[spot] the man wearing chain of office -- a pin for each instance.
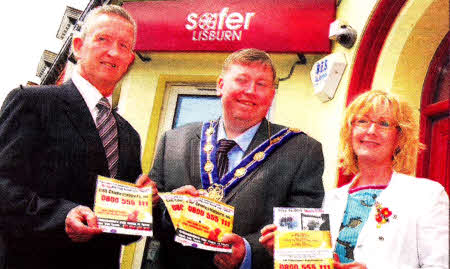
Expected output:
(243, 160)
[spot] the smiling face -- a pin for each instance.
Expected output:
(105, 52)
(375, 137)
(247, 92)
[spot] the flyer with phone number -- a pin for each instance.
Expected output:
(123, 208)
(302, 239)
(199, 222)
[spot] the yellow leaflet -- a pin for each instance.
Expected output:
(307, 264)
(120, 200)
(207, 218)
(175, 204)
(123, 208)
(302, 239)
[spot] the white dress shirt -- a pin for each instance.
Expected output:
(89, 93)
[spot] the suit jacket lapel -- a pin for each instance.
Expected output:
(195, 176)
(339, 198)
(124, 138)
(79, 115)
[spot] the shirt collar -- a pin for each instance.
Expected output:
(243, 141)
(89, 93)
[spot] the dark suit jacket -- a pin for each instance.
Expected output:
(50, 155)
(290, 177)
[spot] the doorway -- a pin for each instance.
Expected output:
(434, 161)
(183, 103)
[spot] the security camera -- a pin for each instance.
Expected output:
(343, 34)
(347, 36)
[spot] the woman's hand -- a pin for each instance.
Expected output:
(267, 237)
(352, 265)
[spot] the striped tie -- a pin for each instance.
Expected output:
(222, 156)
(107, 129)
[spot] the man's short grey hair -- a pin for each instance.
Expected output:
(106, 9)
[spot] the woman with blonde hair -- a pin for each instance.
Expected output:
(385, 217)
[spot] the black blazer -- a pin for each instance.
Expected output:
(290, 177)
(50, 155)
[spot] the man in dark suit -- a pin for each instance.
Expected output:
(287, 170)
(51, 152)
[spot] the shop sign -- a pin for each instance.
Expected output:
(274, 26)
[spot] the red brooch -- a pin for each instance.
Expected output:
(383, 214)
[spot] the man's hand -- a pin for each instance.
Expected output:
(234, 259)
(145, 181)
(187, 189)
(81, 224)
(267, 237)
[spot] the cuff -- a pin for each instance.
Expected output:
(247, 262)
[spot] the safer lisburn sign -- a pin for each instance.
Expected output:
(219, 25)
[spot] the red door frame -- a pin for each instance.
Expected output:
(369, 52)
(427, 108)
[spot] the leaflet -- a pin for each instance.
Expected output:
(199, 222)
(123, 208)
(302, 239)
